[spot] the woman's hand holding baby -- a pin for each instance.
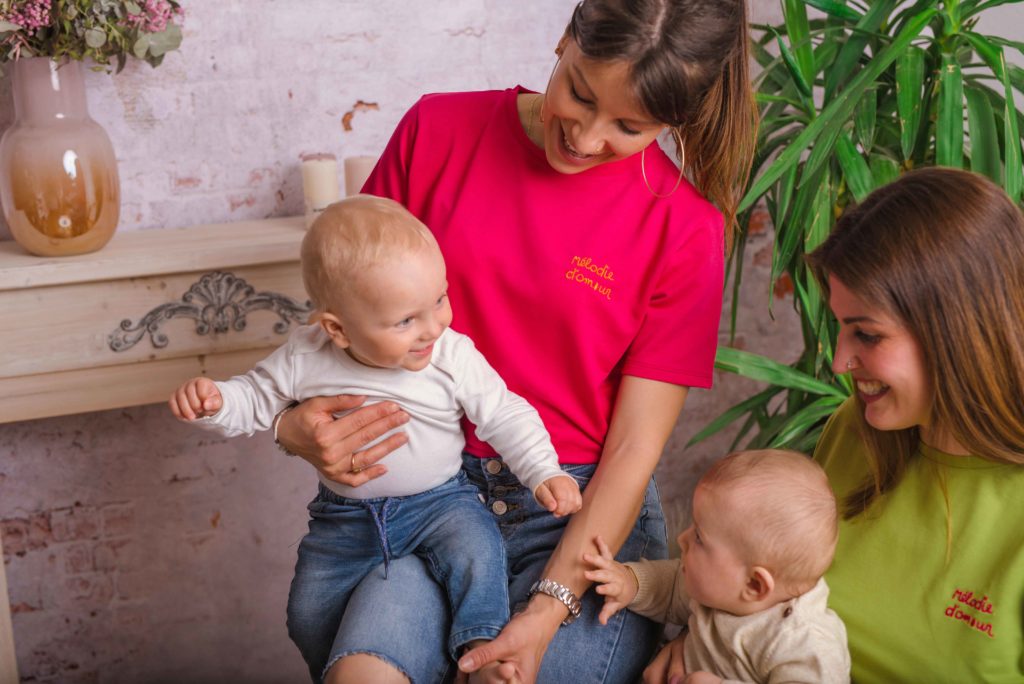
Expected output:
(332, 445)
(615, 581)
(197, 398)
(560, 495)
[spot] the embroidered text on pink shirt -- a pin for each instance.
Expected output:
(580, 272)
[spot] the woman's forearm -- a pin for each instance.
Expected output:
(645, 413)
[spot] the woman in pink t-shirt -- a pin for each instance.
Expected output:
(589, 272)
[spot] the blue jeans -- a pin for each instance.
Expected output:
(348, 539)
(405, 620)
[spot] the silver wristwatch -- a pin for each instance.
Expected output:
(563, 594)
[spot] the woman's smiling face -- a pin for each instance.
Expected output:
(591, 115)
(884, 360)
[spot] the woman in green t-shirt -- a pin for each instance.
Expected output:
(926, 279)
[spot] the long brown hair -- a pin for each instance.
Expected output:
(689, 66)
(942, 252)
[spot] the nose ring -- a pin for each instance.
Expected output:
(849, 364)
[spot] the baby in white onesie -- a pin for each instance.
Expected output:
(377, 278)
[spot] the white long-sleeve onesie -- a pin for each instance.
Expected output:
(457, 381)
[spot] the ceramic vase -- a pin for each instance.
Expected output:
(58, 174)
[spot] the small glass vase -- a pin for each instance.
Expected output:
(58, 174)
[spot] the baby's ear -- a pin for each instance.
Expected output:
(760, 584)
(334, 329)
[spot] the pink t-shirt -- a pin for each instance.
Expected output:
(564, 282)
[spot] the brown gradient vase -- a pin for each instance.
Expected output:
(58, 174)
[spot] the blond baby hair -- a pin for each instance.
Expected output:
(789, 512)
(350, 238)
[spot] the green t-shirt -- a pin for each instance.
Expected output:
(911, 616)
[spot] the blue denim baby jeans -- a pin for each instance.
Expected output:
(349, 538)
(405, 620)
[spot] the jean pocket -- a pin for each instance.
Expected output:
(321, 508)
(581, 472)
(651, 525)
(317, 506)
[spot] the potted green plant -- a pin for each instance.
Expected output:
(849, 101)
(59, 184)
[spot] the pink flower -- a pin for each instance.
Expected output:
(31, 15)
(154, 18)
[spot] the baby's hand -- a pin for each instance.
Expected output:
(560, 495)
(615, 581)
(197, 398)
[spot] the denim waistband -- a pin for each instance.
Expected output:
(379, 508)
(326, 494)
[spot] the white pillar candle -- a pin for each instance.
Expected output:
(319, 183)
(357, 170)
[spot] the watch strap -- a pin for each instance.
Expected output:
(562, 593)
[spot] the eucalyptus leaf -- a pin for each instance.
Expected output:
(95, 38)
(165, 41)
(141, 46)
(105, 32)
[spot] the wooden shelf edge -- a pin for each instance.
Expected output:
(29, 397)
(141, 253)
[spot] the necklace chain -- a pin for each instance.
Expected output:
(534, 109)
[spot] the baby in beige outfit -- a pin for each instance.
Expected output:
(749, 584)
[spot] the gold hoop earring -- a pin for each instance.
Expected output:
(682, 166)
(544, 96)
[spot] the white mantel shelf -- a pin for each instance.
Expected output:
(62, 349)
(156, 252)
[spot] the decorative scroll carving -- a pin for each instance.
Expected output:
(218, 302)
